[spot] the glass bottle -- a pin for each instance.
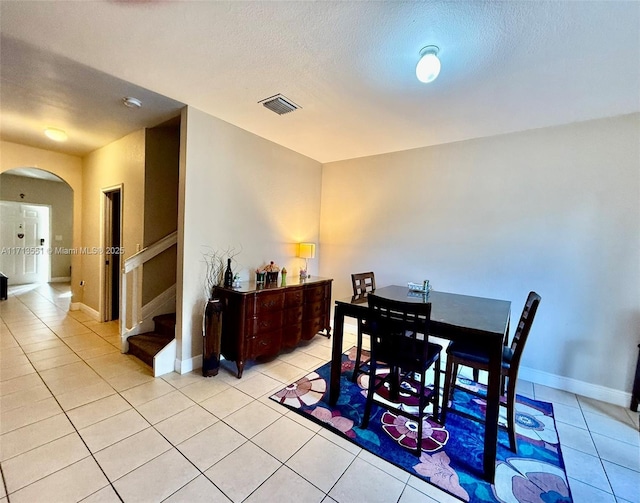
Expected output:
(228, 275)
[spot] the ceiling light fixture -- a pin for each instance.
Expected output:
(132, 102)
(55, 134)
(428, 68)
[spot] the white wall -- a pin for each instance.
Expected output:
(237, 190)
(556, 210)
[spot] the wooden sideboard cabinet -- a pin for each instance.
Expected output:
(261, 320)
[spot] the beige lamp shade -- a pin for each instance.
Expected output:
(306, 250)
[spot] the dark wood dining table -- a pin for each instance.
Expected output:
(455, 317)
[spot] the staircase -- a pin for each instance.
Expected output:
(146, 346)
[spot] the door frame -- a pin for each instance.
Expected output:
(106, 270)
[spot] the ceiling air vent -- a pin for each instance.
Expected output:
(279, 104)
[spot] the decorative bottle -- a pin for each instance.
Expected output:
(228, 275)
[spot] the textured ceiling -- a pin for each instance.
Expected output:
(506, 66)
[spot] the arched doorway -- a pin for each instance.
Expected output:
(36, 226)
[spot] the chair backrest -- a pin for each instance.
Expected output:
(363, 283)
(399, 332)
(523, 329)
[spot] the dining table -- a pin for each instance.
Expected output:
(455, 317)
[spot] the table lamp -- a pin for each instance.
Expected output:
(306, 251)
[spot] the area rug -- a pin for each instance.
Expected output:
(451, 456)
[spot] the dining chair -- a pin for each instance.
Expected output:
(477, 358)
(399, 333)
(363, 284)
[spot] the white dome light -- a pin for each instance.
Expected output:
(55, 134)
(428, 68)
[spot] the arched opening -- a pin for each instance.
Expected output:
(36, 226)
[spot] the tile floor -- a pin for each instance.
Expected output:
(82, 422)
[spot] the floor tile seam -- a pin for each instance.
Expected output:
(279, 468)
(569, 479)
(383, 470)
(154, 426)
(591, 432)
(27, 404)
(42, 477)
(609, 437)
(621, 466)
(39, 377)
(4, 483)
(239, 432)
(91, 454)
(151, 400)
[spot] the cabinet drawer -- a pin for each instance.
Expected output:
(294, 297)
(264, 323)
(292, 315)
(266, 302)
(291, 335)
(265, 344)
(314, 310)
(314, 294)
(312, 327)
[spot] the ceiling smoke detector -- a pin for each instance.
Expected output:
(131, 102)
(279, 104)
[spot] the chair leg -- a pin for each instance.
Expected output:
(370, 391)
(356, 369)
(511, 415)
(449, 379)
(422, 405)
(436, 391)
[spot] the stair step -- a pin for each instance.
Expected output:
(146, 346)
(165, 324)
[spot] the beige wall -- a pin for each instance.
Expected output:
(57, 195)
(242, 191)
(162, 158)
(120, 162)
(67, 167)
(554, 210)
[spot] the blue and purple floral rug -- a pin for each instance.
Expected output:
(451, 456)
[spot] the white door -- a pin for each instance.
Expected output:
(24, 242)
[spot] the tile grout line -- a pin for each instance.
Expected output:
(74, 428)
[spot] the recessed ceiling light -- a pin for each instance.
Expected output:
(130, 102)
(55, 134)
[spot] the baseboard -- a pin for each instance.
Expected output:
(61, 279)
(589, 390)
(185, 366)
(75, 306)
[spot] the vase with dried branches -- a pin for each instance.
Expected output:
(212, 314)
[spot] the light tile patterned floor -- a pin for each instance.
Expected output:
(82, 422)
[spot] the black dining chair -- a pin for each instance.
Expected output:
(478, 359)
(399, 333)
(363, 284)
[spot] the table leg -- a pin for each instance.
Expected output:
(336, 355)
(493, 406)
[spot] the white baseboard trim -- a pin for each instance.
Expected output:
(75, 306)
(61, 279)
(589, 390)
(185, 366)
